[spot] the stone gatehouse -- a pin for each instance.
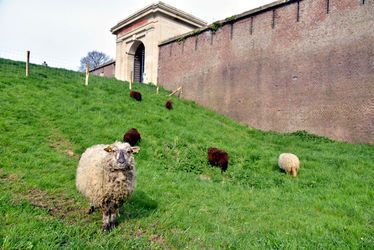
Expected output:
(138, 37)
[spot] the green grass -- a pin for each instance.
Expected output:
(180, 201)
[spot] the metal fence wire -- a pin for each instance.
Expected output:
(25, 65)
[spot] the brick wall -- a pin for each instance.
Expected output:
(297, 65)
(107, 70)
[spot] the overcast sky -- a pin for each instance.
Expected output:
(60, 32)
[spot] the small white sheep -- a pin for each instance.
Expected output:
(289, 163)
(106, 177)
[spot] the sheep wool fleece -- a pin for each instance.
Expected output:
(101, 184)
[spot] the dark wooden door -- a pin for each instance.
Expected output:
(139, 63)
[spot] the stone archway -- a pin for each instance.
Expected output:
(139, 64)
(136, 61)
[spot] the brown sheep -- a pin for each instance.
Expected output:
(218, 157)
(169, 104)
(132, 136)
(136, 95)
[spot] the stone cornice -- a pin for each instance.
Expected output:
(162, 8)
(141, 29)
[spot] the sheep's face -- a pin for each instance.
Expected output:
(121, 154)
(293, 172)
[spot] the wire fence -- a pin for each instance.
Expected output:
(29, 65)
(39, 59)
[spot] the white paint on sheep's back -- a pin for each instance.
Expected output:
(286, 161)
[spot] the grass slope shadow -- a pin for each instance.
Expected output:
(140, 205)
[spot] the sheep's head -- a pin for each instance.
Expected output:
(121, 155)
(293, 171)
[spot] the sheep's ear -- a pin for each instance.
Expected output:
(135, 149)
(108, 149)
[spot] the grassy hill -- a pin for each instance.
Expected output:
(50, 118)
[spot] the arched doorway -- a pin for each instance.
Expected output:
(139, 63)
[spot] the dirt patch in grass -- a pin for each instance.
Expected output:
(157, 239)
(57, 205)
(13, 177)
(5, 177)
(138, 233)
(59, 143)
(205, 177)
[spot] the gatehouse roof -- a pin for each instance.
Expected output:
(163, 8)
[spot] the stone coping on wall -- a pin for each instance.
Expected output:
(232, 19)
(104, 65)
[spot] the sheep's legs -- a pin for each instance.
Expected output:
(113, 218)
(91, 209)
(110, 218)
(106, 220)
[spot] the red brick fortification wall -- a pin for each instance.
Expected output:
(306, 65)
(106, 70)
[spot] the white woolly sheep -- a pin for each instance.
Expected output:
(289, 163)
(106, 177)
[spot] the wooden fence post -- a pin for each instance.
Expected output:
(87, 73)
(27, 63)
(157, 89)
(130, 85)
(175, 91)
